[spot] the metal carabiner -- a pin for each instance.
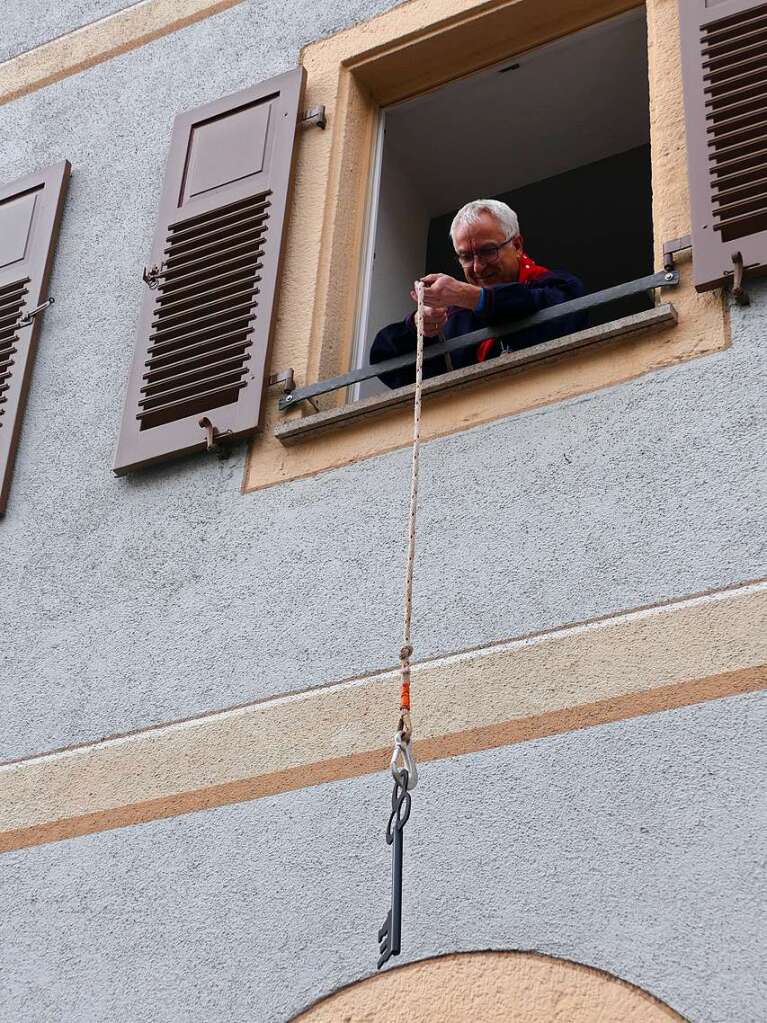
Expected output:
(402, 758)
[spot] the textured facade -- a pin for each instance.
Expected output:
(629, 841)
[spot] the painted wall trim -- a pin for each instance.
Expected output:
(99, 41)
(703, 648)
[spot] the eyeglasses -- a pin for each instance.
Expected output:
(485, 253)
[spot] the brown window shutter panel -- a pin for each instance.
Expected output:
(724, 66)
(204, 327)
(30, 214)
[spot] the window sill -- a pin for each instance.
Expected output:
(294, 430)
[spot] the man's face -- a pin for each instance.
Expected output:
(483, 272)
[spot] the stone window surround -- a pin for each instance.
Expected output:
(411, 49)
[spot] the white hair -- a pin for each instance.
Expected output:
(471, 212)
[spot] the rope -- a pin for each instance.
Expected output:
(405, 724)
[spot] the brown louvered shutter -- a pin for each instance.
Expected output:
(30, 214)
(724, 63)
(204, 327)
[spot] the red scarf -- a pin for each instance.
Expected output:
(528, 271)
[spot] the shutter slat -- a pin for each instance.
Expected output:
(191, 388)
(722, 182)
(756, 215)
(214, 328)
(743, 30)
(30, 213)
(181, 328)
(158, 414)
(751, 185)
(743, 42)
(745, 147)
(204, 331)
(736, 133)
(201, 346)
(172, 274)
(229, 210)
(752, 203)
(227, 240)
(218, 230)
(721, 194)
(723, 86)
(198, 368)
(10, 292)
(206, 285)
(171, 366)
(188, 282)
(724, 70)
(737, 23)
(235, 215)
(724, 75)
(752, 102)
(724, 95)
(721, 119)
(190, 310)
(205, 294)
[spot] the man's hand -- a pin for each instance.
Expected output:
(442, 290)
(434, 319)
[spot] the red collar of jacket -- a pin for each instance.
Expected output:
(528, 271)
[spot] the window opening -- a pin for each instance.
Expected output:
(560, 133)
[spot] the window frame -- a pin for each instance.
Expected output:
(398, 55)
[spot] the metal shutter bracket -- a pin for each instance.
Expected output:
(314, 117)
(671, 248)
(739, 293)
(26, 320)
(214, 438)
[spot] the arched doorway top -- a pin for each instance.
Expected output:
(491, 987)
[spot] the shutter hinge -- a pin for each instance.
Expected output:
(674, 246)
(28, 318)
(214, 438)
(151, 277)
(314, 116)
(287, 377)
(739, 293)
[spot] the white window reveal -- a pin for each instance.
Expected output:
(560, 133)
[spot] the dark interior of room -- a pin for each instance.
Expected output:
(595, 221)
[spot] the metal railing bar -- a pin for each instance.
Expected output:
(662, 279)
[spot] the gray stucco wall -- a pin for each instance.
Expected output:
(28, 23)
(151, 598)
(638, 848)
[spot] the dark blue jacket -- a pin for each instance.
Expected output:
(499, 304)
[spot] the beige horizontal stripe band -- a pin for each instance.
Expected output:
(536, 727)
(92, 44)
(642, 662)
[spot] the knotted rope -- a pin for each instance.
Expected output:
(405, 724)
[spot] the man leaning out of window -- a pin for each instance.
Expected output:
(502, 284)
